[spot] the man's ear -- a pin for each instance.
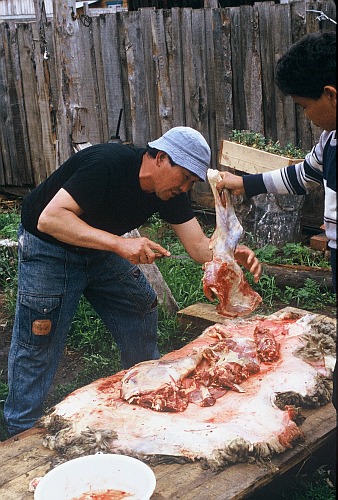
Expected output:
(330, 91)
(161, 155)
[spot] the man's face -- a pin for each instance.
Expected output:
(173, 180)
(322, 111)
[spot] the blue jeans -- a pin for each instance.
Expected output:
(51, 282)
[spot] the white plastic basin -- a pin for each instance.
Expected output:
(97, 473)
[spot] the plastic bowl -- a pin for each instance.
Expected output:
(97, 473)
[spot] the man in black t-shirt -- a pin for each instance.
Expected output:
(71, 244)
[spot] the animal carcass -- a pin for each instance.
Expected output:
(223, 277)
(228, 396)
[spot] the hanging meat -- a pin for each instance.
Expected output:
(223, 277)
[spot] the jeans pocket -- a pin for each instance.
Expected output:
(38, 317)
(140, 291)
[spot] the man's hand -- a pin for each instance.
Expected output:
(247, 258)
(232, 182)
(140, 250)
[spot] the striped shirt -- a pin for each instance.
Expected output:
(318, 168)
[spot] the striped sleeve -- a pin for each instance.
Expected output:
(302, 177)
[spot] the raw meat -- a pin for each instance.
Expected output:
(201, 377)
(239, 426)
(223, 277)
(267, 347)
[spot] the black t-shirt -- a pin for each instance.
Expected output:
(104, 181)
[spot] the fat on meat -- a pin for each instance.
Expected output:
(240, 426)
(201, 377)
(223, 277)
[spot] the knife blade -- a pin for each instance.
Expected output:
(182, 256)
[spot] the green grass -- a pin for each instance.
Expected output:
(292, 254)
(9, 222)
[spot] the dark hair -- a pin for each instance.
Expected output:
(153, 152)
(308, 66)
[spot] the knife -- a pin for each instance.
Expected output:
(182, 256)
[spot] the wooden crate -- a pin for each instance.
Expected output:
(251, 160)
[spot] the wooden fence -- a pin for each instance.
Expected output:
(65, 81)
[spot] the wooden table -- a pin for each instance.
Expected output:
(23, 457)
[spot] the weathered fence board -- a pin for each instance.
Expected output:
(267, 34)
(175, 62)
(285, 109)
(112, 73)
(212, 69)
(32, 110)
(160, 76)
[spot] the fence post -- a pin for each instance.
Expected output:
(72, 115)
(44, 98)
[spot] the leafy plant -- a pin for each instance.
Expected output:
(9, 223)
(292, 254)
(310, 294)
(88, 333)
(267, 289)
(258, 141)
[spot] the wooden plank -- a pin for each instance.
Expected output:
(189, 79)
(174, 481)
(81, 93)
(188, 479)
(162, 90)
(210, 77)
(306, 130)
(151, 24)
(222, 91)
(42, 64)
(96, 69)
(286, 129)
(21, 161)
(199, 316)
(5, 136)
(201, 67)
(267, 29)
(241, 480)
(239, 111)
(68, 56)
(295, 276)
(136, 79)
(9, 107)
(113, 75)
(247, 91)
(201, 190)
(330, 9)
(252, 69)
(122, 26)
(250, 160)
(175, 62)
(29, 85)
